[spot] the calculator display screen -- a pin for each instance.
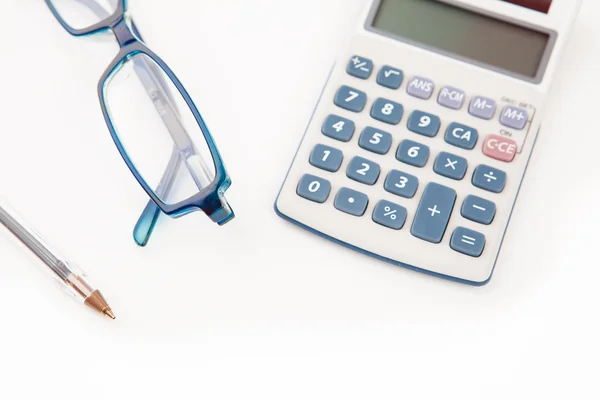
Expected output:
(463, 33)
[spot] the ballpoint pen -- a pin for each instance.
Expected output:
(69, 276)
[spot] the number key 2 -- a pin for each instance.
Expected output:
(363, 171)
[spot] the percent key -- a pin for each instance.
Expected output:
(390, 215)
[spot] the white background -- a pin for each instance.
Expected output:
(260, 308)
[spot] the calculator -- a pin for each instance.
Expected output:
(421, 138)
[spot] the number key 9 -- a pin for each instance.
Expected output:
(424, 123)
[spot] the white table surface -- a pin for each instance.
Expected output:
(260, 308)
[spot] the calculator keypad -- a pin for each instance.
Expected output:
(482, 107)
(438, 201)
(360, 67)
(490, 179)
(434, 213)
(363, 171)
(478, 210)
(514, 117)
(314, 188)
(387, 111)
(462, 136)
(420, 87)
(451, 97)
(467, 241)
(326, 158)
(424, 123)
(390, 215)
(390, 77)
(401, 184)
(338, 128)
(450, 166)
(413, 153)
(350, 99)
(375, 140)
(351, 202)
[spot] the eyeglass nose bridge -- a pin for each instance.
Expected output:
(121, 27)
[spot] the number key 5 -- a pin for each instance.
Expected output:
(375, 140)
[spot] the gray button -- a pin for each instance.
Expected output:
(350, 99)
(360, 67)
(451, 97)
(490, 179)
(375, 140)
(467, 242)
(363, 171)
(389, 215)
(314, 188)
(413, 153)
(326, 158)
(351, 202)
(482, 107)
(420, 87)
(387, 111)
(478, 210)
(339, 128)
(450, 166)
(462, 136)
(514, 117)
(434, 213)
(390, 77)
(424, 123)
(401, 184)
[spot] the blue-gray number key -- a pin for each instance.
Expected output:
(338, 128)
(490, 179)
(375, 140)
(424, 123)
(389, 215)
(363, 171)
(326, 158)
(413, 153)
(434, 213)
(350, 99)
(450, 166)
(387, 111)
(351, 202)
(313, 188)
(401, 184)
(467, 242)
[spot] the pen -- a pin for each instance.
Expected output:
(69, 276)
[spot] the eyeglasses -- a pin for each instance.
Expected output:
(152, 120)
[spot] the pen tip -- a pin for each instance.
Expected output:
(108, 312)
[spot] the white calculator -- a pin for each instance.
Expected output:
(419, 144)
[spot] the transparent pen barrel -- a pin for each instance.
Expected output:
(69, 277)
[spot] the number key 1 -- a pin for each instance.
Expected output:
(326, 158)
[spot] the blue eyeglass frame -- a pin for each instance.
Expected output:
(210, 199)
